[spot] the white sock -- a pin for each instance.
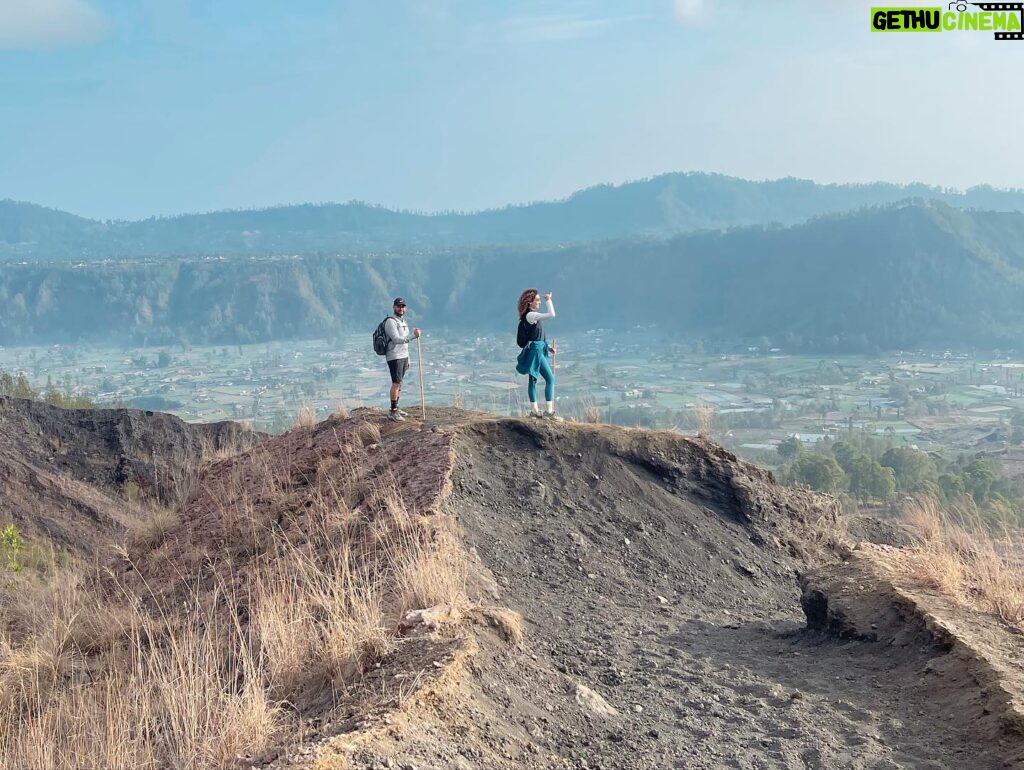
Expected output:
(533, 405)
(551, 407)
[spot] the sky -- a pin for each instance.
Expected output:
(125, 109)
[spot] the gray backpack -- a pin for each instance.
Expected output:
(380, 338)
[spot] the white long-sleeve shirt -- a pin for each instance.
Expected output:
(399, 338)
(533, 316)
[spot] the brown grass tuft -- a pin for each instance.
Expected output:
(150, 532)
(958, 557)
(244, 440)
(305, 417)
(368, 433)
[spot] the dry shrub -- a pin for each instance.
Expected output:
(587, 411)
(319, 624)
(390, 513)
(270, 474)
(28, 678)
(459, 399)
(226, 447)
(999, 582)
(149, 532)
(368, 433)
(305, 417)
(191, 698)
(960, 558)
(430, 570)
(927, 517)
(703, 415)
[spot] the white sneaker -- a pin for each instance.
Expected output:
(396, 416)
(552, 416)
(536, 415)
(403, 413)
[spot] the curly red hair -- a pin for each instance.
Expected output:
(526, 299)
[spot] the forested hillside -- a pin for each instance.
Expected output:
(885, 278)
(661, 207)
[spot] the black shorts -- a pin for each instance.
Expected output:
(398, 369)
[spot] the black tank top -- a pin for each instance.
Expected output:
(529, 332)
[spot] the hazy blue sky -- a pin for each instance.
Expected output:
(127, 108)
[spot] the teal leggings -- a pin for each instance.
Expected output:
(549, 381)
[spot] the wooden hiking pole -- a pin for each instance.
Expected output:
(423, 401)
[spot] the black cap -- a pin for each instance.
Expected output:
(398, 301)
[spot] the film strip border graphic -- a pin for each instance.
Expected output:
(1004, 7)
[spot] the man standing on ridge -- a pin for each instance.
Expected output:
(399, 337)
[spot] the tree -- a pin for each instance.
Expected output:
(911, 467)
(978, 478)
(900, 393)
(952, 487)
(870, 481)
(818, 472)
(845, 454)
(789, 448)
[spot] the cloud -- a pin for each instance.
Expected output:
(692, 12)
(554, 28)
(48, 23)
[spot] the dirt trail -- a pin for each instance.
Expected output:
(682, 612)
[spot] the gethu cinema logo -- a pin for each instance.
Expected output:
(1002, 18)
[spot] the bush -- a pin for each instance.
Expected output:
(11, 547)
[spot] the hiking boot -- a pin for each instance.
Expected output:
(553, 417)
(402, 412)
(396, 416)
(536, 415)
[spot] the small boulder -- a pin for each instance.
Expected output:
(593, 702)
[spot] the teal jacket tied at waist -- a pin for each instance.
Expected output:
(530, 358)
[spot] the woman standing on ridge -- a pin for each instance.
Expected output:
(533, 359)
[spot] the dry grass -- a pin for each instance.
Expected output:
(317, 627)
(305, 417)
(459, 399)
(960, 558)
(245, 440)
(181, 477)
(340, 411)
(432, 568)
(94, 674)
(588, 411)
(91, 681)
(584, 409)
(150, 531)
(184, 699)
(703, 415)
(368, 433)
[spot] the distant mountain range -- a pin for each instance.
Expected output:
(661, 207)
(905, 275)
